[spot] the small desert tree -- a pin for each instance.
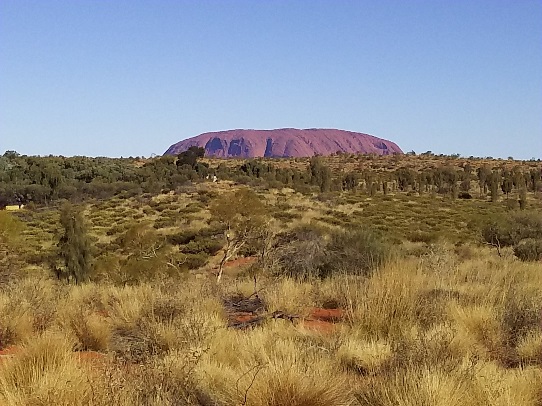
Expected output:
(320, 174)
(74, 245)
(522, 196)
(242, 215)
(10, 245)
(521, 230)
(507, 183)
(494, 182)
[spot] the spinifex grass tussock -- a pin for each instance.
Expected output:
(365, 357)
(28, 306)
(83, 314)
(44, 373)
(259, 368)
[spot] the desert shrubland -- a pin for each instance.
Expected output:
(369, 296)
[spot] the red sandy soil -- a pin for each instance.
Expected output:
(242, 317)
(9, 351)
(240, 262)
(323, 321)
(91, 357)
(320, 320)
(329, 315)
(319, 326)
(285, 142)
(235, 266)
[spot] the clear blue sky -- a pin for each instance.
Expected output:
(121, 78)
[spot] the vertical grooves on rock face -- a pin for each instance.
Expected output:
(268, 148)
(213, 146)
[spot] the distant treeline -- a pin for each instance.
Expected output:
(42, 180)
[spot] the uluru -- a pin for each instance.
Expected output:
(285, 142)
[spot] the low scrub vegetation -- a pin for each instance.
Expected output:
(522, 231)
(332, 281)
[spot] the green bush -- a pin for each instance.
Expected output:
(191, 208)
(355, 251)
(315, 251)
(510, 230)
(423, 236)
(286, 216)
(300, 252)
(529, 249)
(205, 196)
(209, 246)
(195, 261)
(186, 236)
(164, 222)
(182, 237)
(521, 230)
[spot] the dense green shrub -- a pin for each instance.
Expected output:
(300, 252)
(510, 230)
(191, 208)
(74, 246)
(205, 196)
(529, 249)
(194, 261)
(186, 236)
(355, 251)
(423, 236)
(315, 251)
(182, 237)
(209, 246)
(522, 230)
(286, 216)
(165, 221)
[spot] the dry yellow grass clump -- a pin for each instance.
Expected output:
(434, 330)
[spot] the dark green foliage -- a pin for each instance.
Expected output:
(522, 230)
(523, 197)
(529, 249)
(182, 237)
(494, 182)
(405, 178)
(507, 183)
(43, 180)
(286, 216)
(300, 252)
(74, 245)
(190, 157)
(355, 251)
(204, 242)
(209, 246)
(423, 236)
(314, 251)
(500, 232)
(204, 196)
(194, 261)
(320, 174)
(11, 229)
(350, 181)
(165, 221)
(186, 236)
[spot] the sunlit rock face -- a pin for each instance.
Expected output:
(285, 142)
